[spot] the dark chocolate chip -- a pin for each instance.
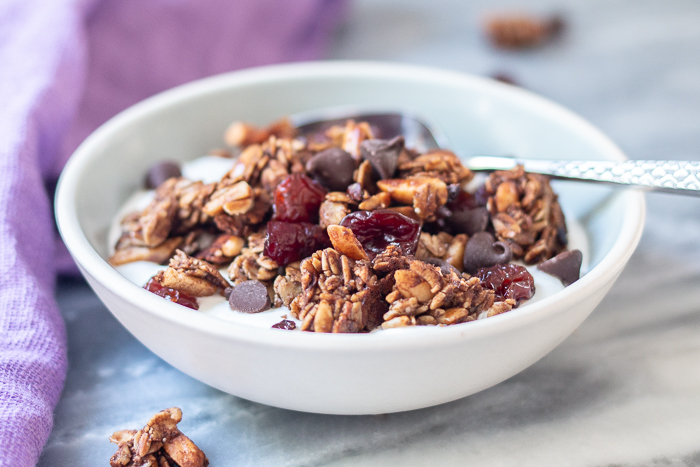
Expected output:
(332, 168)
(285, 324)
(382, 154)
(160, 172)
(483, 251)
(445, 267)
(565, 266)
(249, 297)
(469, 221)
(227, 292)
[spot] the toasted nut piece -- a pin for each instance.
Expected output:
(234, 199)
(379, 201)
(331, 213)
(401, 190)
(506, 194)
(406, 211)
(425, 194)
(399, 322)
(345, 242)
(158, 254)
(454, 315)
(243, 134)
(233, 246)
(411, 284)
(339, 197)
(429, 197)
(455, 252)
(365, 177)
(323, 320)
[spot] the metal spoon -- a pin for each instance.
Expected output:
(678, 177)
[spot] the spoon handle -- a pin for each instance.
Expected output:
(679, 177)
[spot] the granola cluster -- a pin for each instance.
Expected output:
(159, 444)
(350, 231)
(525, 213)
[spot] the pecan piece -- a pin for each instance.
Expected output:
(232, 199)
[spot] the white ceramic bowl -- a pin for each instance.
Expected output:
(344, 374)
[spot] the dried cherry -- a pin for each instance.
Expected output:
(285, 324)
(376, 230)
(172, 295)
(298, 199)
(286, 242)
(508, 281)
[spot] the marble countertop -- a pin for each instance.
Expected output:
(623, 390)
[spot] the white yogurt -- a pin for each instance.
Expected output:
(211, 169)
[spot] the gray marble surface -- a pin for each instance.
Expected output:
(623, 390)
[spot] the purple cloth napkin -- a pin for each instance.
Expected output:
(66, 66)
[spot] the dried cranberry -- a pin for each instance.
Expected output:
(297, 199)
(376, 230)
(173, 295)
(287, 242)
(285, 324)
(508, 281)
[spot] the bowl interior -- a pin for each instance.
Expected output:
(478, 116)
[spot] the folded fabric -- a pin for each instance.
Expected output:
(67, 66)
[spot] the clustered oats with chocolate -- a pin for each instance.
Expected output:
(351, 232)
(159, 444)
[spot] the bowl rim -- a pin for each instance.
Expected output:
(94, 265)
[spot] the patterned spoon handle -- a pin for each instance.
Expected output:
(679, 177)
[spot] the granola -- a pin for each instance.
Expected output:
(159, 444)
(350, 232)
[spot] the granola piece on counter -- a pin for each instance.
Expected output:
(339, 294)
(526, 214)
(159, 444)
(520, 31)
(192, 276)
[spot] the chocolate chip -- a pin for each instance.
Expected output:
(382, 154)
(445, 267)
(565, 266)
(483, 251)
(160, 172)
(332, 168)
(285, 324)
(227, 292)
(469, 221)
(249, 297)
